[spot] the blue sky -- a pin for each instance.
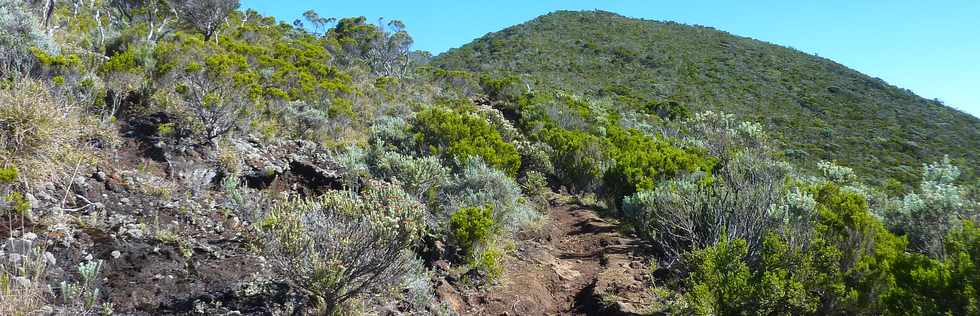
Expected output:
(930, 47)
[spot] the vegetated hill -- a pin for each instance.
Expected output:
(824, 110)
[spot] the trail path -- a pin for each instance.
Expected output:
(578, 265)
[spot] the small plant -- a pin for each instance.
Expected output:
(22, 289)
(83, 296)
(488, 261)
(471, 226)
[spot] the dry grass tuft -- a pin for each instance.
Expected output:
(46, 139)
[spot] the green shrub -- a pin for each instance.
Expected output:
(18, 203)
(579, 157)
(926, 286)
(845, 268)
(488, 261)
(641, 161)
(462, 136)
(719, 283)
(471, 227)
(697, 210)
(535, 187)
(507, 89)
(479, 184)
(8, 175)
(421, 176)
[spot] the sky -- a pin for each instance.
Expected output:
(929, 47)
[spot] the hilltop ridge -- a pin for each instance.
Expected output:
(822, 109)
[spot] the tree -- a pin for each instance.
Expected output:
(213, 95)
(214, 87)
(390, 52)
(155, 13)
(205, 15)
(319, 23)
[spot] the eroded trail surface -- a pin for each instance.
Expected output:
(578, 265)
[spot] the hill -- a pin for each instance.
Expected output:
(823, 110)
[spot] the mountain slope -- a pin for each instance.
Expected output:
(824, 110)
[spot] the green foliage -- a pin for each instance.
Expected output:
(21, 33)
(18, 202)
(488, 261)
(926, 286)
(421, 176)
(8, 175)
(461, 136)
(641, 160)
(720, 280)
(471, 227)
(843, 269)
(507, 89)
(854, 248)
(580, 157)
(535, 186)
(696, 210)
(936, 207)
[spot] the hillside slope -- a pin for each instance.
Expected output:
(824, 110)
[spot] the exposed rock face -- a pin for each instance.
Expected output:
(299, 163)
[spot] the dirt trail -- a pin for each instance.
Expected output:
(578, 265)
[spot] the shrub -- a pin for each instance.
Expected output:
(463, 136)
(205, 15)
(471, 227)
(343, 244)
(844, 269)
(927, 286)
(19, 32)
(535, 187)
(720, 280)
(8, 175)
(535, 157)
(82, 298)
(696, 211)
(723, 136)
(301, 120)
(641, 161)
(421, 176)
(353, 161)
(481, 185)
(579, 158)
(22, 283)
(392, 131)
(213, 88)
(506, 88)
(938, 206)
(488, 261)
